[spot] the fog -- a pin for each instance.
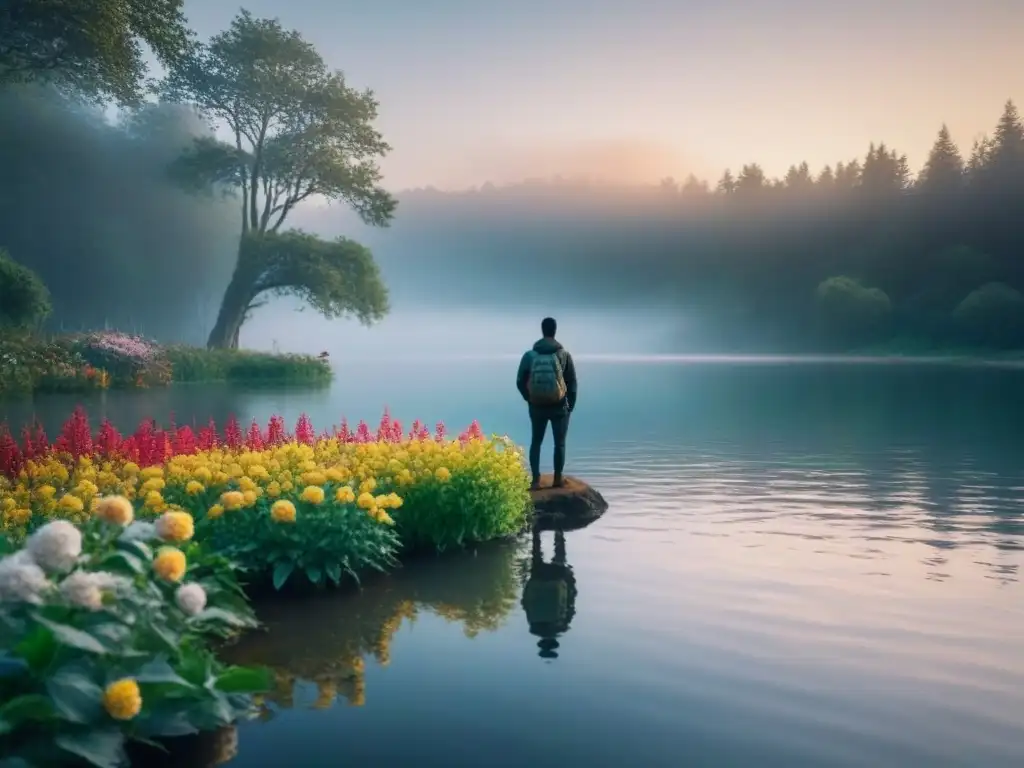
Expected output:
(88, 206)
(441, 333)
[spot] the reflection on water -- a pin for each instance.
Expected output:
(802, 566)
(326, 640)
(549, 595)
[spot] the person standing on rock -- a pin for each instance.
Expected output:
(547, 381)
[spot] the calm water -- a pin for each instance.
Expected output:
(803, 565)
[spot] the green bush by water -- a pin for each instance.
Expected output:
(194, 364)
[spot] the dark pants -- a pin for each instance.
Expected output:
(559, 427)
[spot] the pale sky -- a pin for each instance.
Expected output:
(635, 90)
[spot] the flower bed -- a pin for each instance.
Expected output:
(103, 631)
(102, 359)
(281, 505)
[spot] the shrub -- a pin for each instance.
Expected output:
(992, 315)
(282, 505)
(131, 361)
(850, 312)
(24, 299)
(28, 363)
(104, 637)
(193, 364)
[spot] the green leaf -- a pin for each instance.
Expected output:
(282, 571)
(67, 635)
(334, 572)
(75, 697)
(244, 680)
(139, 549)
(103, 748)
(314, 574)
(166, 722)
(219, 614)
(37, 648)
(122, 561)
(15, 762)
(159, 671)
(30, 707)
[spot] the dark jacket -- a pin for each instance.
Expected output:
(547, 347)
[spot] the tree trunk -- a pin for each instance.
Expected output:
(232, 312)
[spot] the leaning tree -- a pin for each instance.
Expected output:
(297, 131)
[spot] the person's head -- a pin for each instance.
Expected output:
(548, 326)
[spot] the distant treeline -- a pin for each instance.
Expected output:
(934, 259)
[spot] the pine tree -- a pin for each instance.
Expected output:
(727, 184)
(1006, 158)
(944, 169)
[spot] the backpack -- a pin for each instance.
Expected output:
(546, 383)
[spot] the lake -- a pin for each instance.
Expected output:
(803, 564)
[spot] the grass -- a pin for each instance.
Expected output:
(197, 365)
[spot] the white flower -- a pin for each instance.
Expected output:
(56, 546)
(140, 530)
(85, 588)
(21, 579)
(191, 598)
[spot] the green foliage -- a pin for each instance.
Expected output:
(336, 277)
(24, 299)
(32, 364)
(298, 130)
(325, 543)
(92, 47)
(851, 312)
(992, 316)
(68, 637)
(476, 504)
(195, 364)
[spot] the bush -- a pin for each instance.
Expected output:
(105, 640)
(28, 363)
(24, 299)
(282, 505)
(130, 361)
(193, 364)
(991, 316)
(851, 313)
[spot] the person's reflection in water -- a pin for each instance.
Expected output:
(549, 597)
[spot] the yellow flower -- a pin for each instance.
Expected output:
(443, 474)
(274, 489)
(131, 468)
(366, 500)
(170, 564)
(232, 499)
(249, 498)
(203, 474)
(175, 526)
(246, 484)
(122, 699)
(152, 484)
(151, 473)
(17, 517)
(314, 494)
(283, 511)
(369, 484)
(46, 492)
(215, 511)
(314, 477)
(115, 509)
(344, 495)
(154, 500)
(382, 516)
(70, 503)
(394, 500)
(194, 488)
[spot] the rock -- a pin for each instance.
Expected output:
(574, 505)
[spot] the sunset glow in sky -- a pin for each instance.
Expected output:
(636, 90)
